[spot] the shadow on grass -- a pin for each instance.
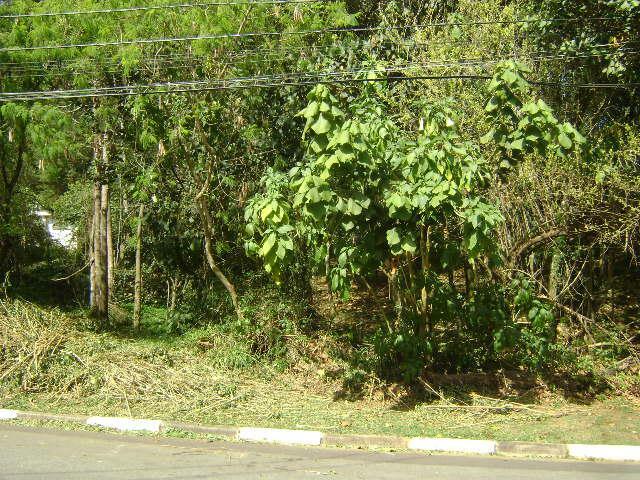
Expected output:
(465, 388)
(350, 329)
(353, 326)
(64, 295)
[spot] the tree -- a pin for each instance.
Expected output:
(374, 198)
(371, 197)
(13, 149)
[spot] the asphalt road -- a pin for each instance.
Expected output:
(30, 453)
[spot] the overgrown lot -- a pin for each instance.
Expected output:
(50, 361)
(376, 216)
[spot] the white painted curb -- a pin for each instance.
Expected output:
(126, 424)
(274, 435)
(8, 414)
(313, 438)
(482, 447)
(605, 452)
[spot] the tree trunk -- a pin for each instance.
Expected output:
(327, 269)
(425, 246)
(9, 179)
(175, 284)
(394, 293)
(110, 254)
(104, 212)
(100, 289)
(106, 218)
(93, 247)
(554, 274)
(100, 277)
(5, 247)
(137, 294)
(207, 224)
(206, 227)
(554, 277)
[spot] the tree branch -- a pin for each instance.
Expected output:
(532, 242)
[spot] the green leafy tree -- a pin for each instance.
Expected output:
(14, 120)
(369, 197)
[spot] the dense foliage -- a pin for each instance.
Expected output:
(469, 167)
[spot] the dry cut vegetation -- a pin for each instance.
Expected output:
(51, 361)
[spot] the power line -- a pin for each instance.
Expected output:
(142, 41)
(470, 62)
(264, 50)
(591, 85)
(321, 81)
(237, 54)
(269, 2)
(158, 7)
(252, 51)
(290, 79)
(285, 83)
(269, 77)
(433, 63)
(259, 52)
(220, 36)
(179, 55)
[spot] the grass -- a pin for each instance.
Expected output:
(609, 421)
(210, 376)
(82, 427)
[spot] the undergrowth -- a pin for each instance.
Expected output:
(52, 360)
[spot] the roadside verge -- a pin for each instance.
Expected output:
(315, 438)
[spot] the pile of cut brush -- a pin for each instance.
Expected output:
(44, 351)
(30, 338)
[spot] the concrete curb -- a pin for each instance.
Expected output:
(628, 453)
(52, 417)
(455, 445)
(532, 449)
(225, 433)
(364, 441)
(8, 414)
(623, 453)
(126, 424)
(285, 437)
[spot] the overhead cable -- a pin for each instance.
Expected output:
(432, 63)
(159, 7)
(289, 79)
(269, 54)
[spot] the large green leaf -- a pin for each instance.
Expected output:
(310, 111)
(472, 241)
(517, 144)
(564, 141)
(487, 137)
(510, 77)
(393, 238)
(322, 125)
(342, 137)
(268, 244)
(492, 105)
(353, 208)
(409, 244)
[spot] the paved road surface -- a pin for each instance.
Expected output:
(30, 453)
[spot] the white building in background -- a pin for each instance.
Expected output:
(64, 236)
